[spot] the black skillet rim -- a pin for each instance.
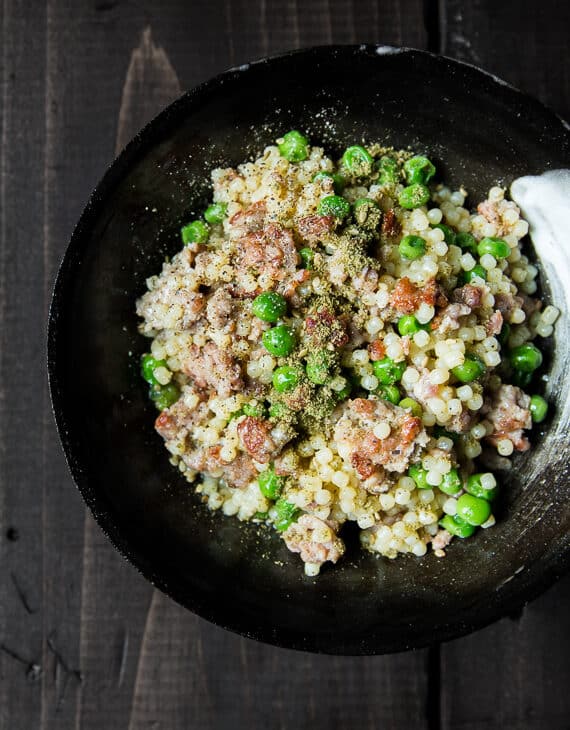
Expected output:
(508, 599)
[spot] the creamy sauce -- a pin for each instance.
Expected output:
(545, 203)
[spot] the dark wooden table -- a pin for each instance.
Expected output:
(86, 642)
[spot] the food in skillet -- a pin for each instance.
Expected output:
(340, 341)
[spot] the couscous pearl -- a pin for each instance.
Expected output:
(450, 506)
(492, 359)
(369, 382)
(475, 402)
(421, 338)
(401, 496)
(434, 216)
(488, 261)
(381, 430)
(434, 478)
(505, 447)
(387, 501)
(424, 313)
(550, 315)
(489, 523)
(478, 431)
(518, 316)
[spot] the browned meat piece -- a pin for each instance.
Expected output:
(461, 423)
(270, 251)
(323, 327)
(255, 435)
(174, 423)
(249, 220)
(489, 211)
(448, 319)
(506, 304)
(508, 411)
(494, 324)
(376, 350)
(211, 367)
(289, 289)
(313, 228)
(406, 297)
(441, 540)
(493, 212)
(469, 295)
(366, 280)
(220, 309)
(424, 389)
(316, 541)
(299, 398)
(238, 473)
(368, 453)
(390, 227)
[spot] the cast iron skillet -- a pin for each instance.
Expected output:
(480, 132)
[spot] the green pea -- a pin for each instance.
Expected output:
(294, 146)
(260, 516)
(148, 365)
(390, 393)
(269, 306)
(286, 378)
(477, 270)
(164, 395)
(474, 510)
(419, 170)
(357, 161)
(419, 475)
(257, 410)
(279, 341)
(388, 169)
(504, 334)
(307, 258)
(412, 405)
(278, 411)
(466, 242)
(526, 358)
(414, 196)
(451, 482)
(408, 325)
(318, 366)
(387, 371)
(338, 180)
(195, 232)
(216, 212)
(270, 485)
(448, 233)
(495, 246)
(456, 526)
(286, 514)
(471, 369)
(412, 247)
(476, 489)
(368, 202)
(334, 205)
(538, 408)
(521, 379)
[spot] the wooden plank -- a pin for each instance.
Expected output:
(510, 674)
(22, 389)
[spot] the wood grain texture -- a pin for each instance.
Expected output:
(86, 642)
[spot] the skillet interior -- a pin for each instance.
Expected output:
(479, 132)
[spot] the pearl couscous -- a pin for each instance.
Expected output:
(340, 341)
